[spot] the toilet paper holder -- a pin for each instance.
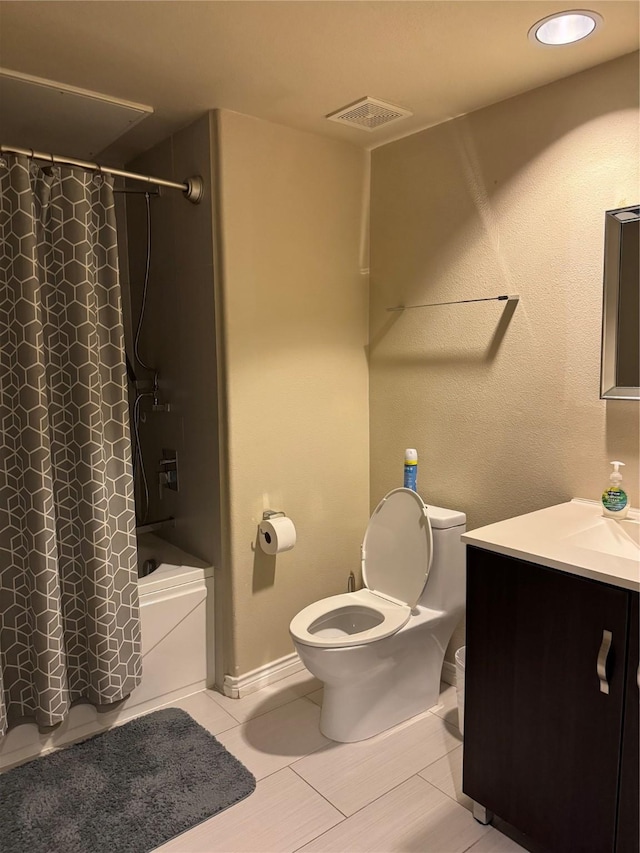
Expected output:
(277, 533)
(268, 514)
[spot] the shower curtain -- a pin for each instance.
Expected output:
(69, 621)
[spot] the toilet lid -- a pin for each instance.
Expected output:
(398, 546)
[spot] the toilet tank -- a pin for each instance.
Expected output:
(446, 584)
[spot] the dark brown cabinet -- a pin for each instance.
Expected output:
(628, 837)
(545, 747)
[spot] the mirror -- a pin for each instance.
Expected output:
(620, 373)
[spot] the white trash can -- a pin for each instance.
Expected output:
(460, 664)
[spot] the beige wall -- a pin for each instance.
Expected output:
(294, 326)
(510, 199)
(503, 409)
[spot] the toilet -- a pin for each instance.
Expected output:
(380, 650)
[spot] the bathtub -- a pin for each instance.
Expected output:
(175, 604)
(176, 609)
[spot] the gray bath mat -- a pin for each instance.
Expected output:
(125, 791)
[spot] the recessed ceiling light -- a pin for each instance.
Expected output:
(564, 27)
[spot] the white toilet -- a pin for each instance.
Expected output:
(379, 651)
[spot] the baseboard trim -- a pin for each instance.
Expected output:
(449, 672)
(235, 687)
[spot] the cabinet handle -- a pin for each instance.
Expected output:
(601, 665)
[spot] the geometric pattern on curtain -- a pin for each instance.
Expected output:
(69, 617)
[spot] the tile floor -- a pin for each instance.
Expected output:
(398, 791)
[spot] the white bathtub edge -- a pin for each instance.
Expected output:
(168, 576)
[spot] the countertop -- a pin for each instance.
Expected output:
(573, 537)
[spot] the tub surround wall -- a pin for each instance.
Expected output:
(509, 199)
(178, 336)
(295, 331)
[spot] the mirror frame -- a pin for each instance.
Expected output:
(609, 390)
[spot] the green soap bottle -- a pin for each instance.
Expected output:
(615, 503)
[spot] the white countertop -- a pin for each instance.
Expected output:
(573, 537)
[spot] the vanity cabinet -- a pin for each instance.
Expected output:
(628, 818)
(550, 743)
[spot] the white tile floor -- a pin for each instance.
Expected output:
(399, 791)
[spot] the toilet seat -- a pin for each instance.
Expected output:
(392, 617)
(396, 557)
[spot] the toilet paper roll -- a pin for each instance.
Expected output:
(277, 535)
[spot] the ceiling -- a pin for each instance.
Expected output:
(294, 62)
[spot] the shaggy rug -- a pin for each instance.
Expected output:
(127, 790)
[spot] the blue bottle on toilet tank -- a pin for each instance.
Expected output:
(411, 469)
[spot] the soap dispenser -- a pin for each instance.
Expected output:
(614, 500)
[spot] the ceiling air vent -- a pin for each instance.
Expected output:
(368, 114)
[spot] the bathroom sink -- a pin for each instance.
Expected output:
(608, 536)
(572, 537)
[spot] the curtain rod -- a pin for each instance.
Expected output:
(193, 188)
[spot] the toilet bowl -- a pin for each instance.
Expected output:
(380, 650)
